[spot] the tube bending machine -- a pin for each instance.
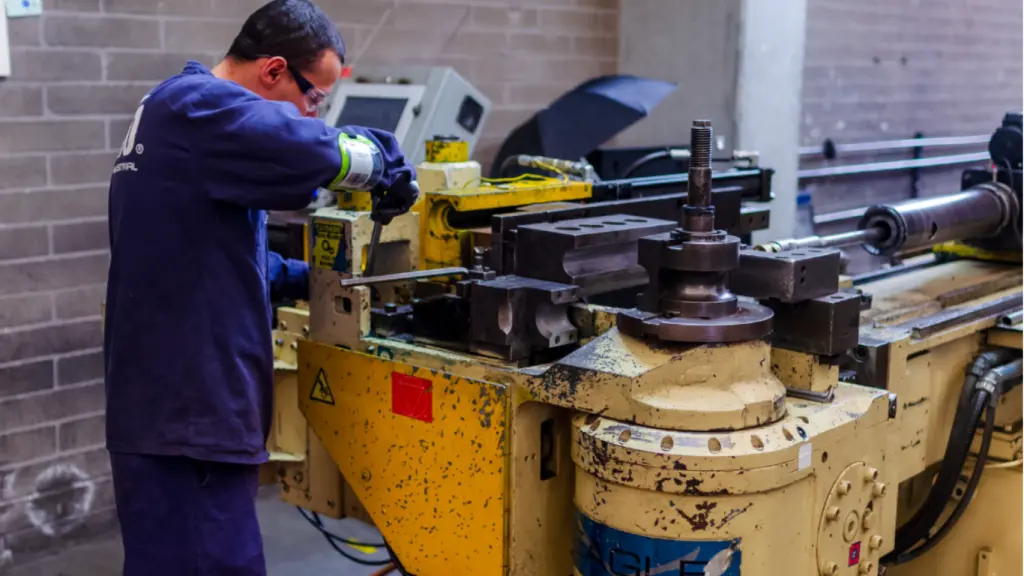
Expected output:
(609, 381)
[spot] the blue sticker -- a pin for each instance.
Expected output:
(601, 550)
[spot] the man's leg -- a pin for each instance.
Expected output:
(181, 516)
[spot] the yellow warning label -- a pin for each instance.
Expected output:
(321, 391)
(327, 246)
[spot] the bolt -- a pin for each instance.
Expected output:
(279, 342)
(365, 476)
(284, 325)
(305, 330)
(871, 475)
(869, 520)
(701, 135)
(878, 489)
(830, 569)
(844, 487)
(867, 567)
(295, 345)
(832, 514)
(698, 215)
(875, 541)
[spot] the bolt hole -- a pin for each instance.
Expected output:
(801, 432)
(802, 268)
(804, 420)
(959, 492)
(714, 445)
(558, 339)
(625, 435)
(667, 443)
(787, 434)
(614, 223)
(756, 442)
(568, 228)
(861, 353)
(591, 226)
(824, 457)
(635, 220)
(934, 230)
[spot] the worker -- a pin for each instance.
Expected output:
(187, 332)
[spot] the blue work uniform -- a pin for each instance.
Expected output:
(187, 332)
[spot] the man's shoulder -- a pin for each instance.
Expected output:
(185, 92)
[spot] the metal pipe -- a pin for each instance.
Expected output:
(402, 276)
(906, 144)
(833, 241)
(883, 273)
(1012, 319)
(839, 216)
(875, 167)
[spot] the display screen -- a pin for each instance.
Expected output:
(371, 112)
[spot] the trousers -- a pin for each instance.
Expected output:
(181, 516)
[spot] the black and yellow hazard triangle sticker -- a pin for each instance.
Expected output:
(321, 391)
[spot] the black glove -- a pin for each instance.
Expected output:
(397, 200)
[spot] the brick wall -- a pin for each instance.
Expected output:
(885, 69)
(78, 73)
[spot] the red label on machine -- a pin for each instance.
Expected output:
(854, 554)
(412, 397)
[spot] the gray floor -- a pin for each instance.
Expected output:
(292, 547)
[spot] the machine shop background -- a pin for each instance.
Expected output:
(863, 71)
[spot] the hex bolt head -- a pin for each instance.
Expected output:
(365, 476)
(832, 514)
(878, 489)
(844, 487)
(868, 521)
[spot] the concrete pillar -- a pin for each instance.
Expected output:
(737, 62)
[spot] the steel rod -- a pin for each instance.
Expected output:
(875, 167)
(402, 276)
(1012, 319)
(905, 144)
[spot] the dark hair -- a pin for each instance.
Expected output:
(296, 30)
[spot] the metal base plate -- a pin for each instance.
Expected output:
(750, 322)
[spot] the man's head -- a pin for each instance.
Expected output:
(289, 51)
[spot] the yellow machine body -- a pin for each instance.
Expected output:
(445, 244)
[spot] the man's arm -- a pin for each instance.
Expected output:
(263, 154)
(289, 279)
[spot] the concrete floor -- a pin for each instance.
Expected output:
(292, 548)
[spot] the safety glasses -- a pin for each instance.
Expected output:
(314, 96)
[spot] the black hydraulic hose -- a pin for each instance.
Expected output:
(957, 449)
(508, 163)
(645, 160)
(982, 389)
(982, 364)
(965, 500)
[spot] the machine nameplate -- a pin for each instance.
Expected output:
(412, 397)
(329, 246)
(601, 550)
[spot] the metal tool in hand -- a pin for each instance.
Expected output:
(378, 227)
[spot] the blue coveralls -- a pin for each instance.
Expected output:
(187, 333)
